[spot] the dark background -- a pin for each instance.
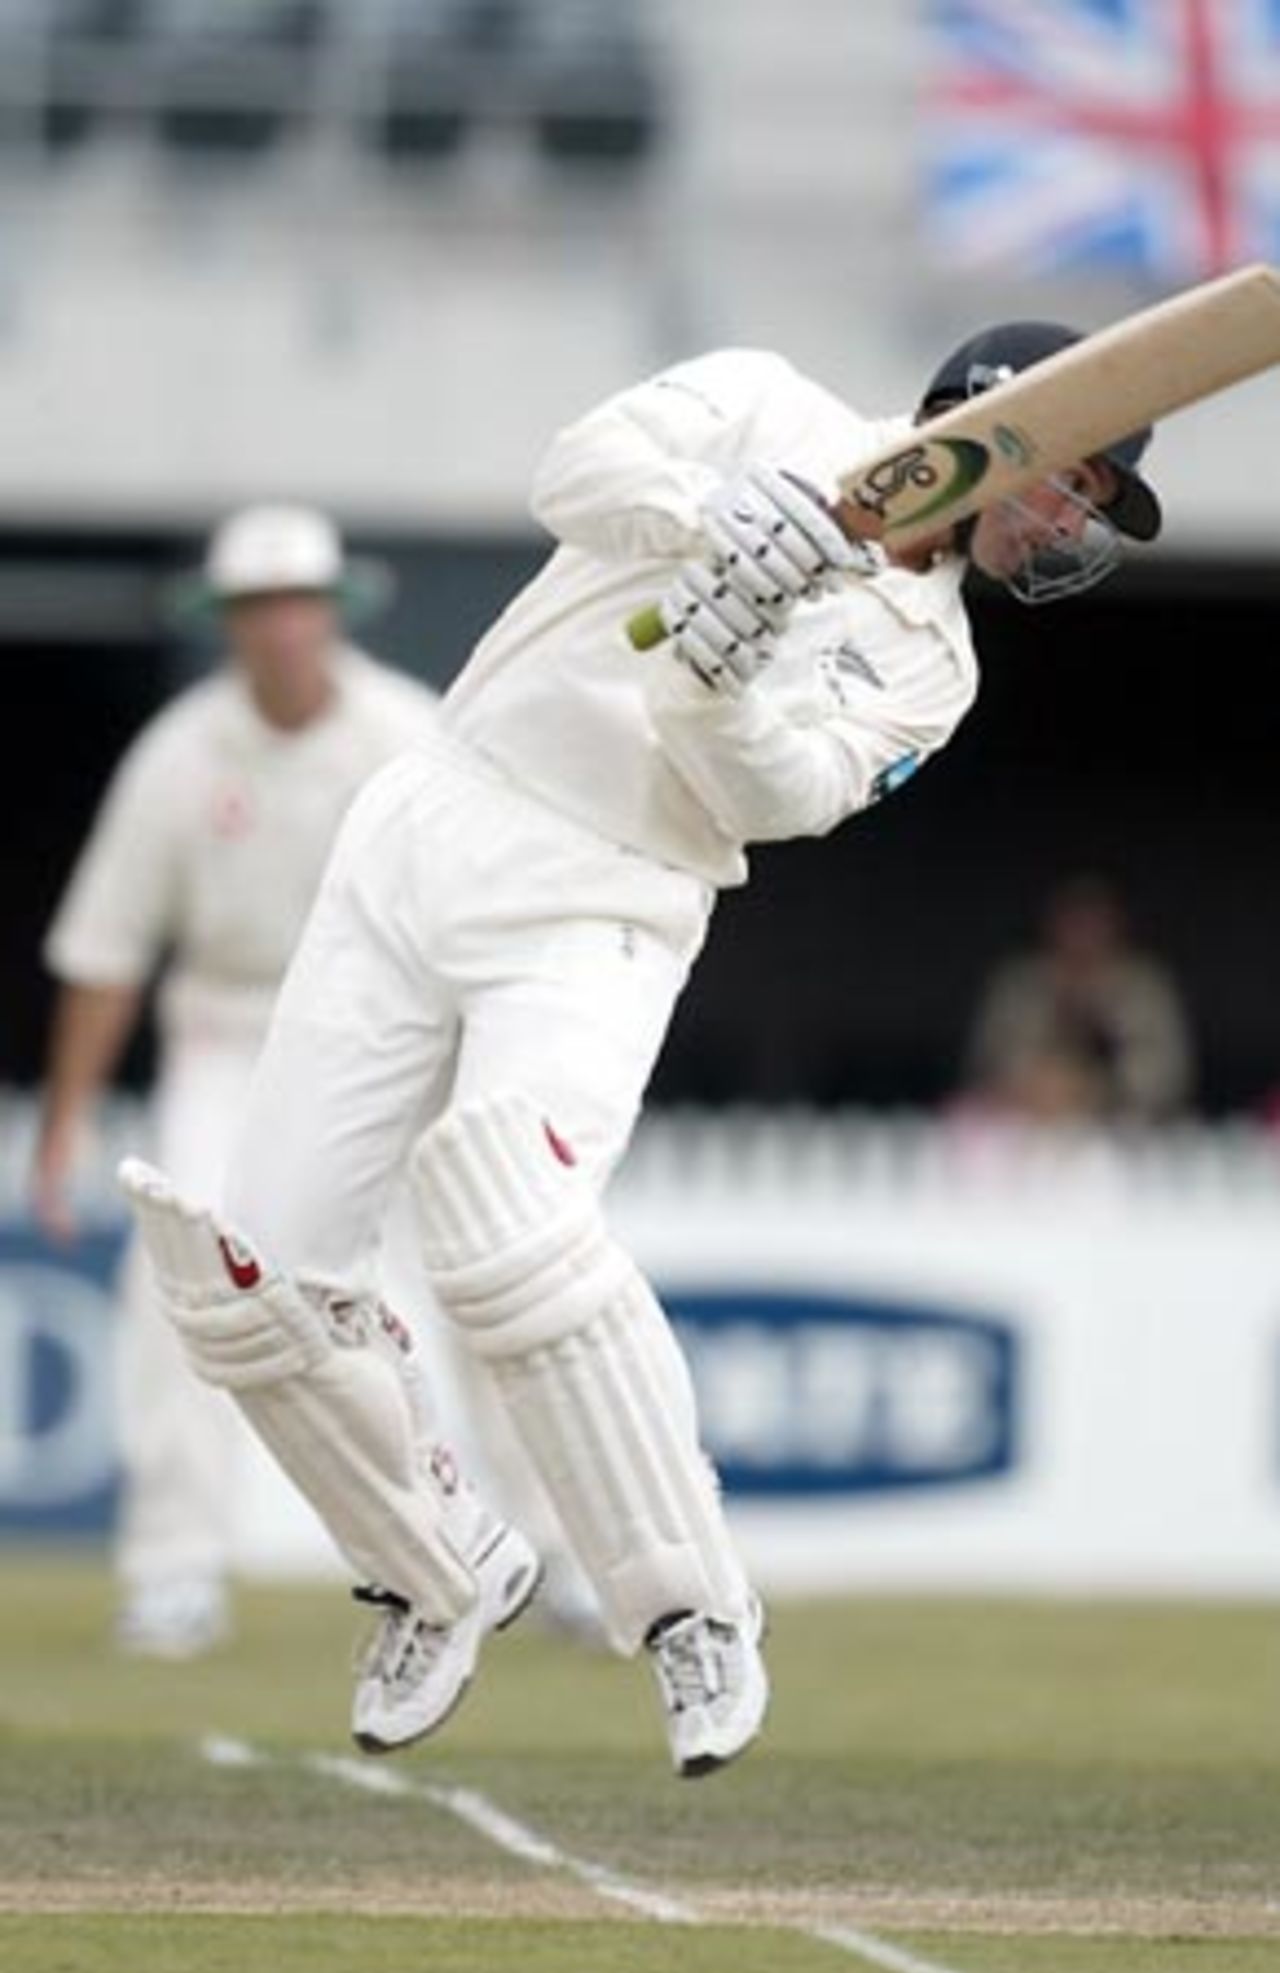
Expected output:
(1133, 733)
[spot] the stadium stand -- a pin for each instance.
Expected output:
(408, 80)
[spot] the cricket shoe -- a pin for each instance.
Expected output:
(412, 1673)
(714, 1686)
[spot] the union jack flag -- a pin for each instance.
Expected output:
(1143, 133)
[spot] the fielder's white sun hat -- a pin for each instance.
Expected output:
(262, 549)
(272, 549)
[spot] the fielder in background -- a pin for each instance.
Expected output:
(207, 851)
(504, 928)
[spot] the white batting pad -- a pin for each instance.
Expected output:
(335, 1414)
(584, 1360)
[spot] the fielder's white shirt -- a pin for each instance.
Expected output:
(212, 837)
(867, 682)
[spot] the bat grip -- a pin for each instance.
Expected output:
(647, 628)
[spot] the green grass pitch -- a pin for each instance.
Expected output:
(972, 1787)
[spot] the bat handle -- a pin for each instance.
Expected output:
(647, 628)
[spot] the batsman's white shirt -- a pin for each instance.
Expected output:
(868, 681)
(209, 847)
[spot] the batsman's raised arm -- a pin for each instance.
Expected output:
(632, 478)
(710, 488)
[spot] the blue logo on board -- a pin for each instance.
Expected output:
(805, 1394)
(57, 1424)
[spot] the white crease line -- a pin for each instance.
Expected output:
(493, 1822)
(479, 1813)
(484, 1816)
(519, 1840)
(894, 1959)
(221, 1752)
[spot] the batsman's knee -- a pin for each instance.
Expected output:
(514, 1241)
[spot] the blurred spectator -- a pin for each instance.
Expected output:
(1086, 1025)
(206, 852)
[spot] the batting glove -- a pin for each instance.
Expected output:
(773, 538)
(723, 639)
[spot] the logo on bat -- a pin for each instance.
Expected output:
(1014, 444)
(924, 478)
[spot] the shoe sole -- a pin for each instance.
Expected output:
(368, 1743)
(703, 1764)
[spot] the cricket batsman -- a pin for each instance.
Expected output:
(506, 923)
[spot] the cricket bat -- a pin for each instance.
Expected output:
(1059, 411)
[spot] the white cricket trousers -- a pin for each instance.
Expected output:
(182, 1444)
(466, 940)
